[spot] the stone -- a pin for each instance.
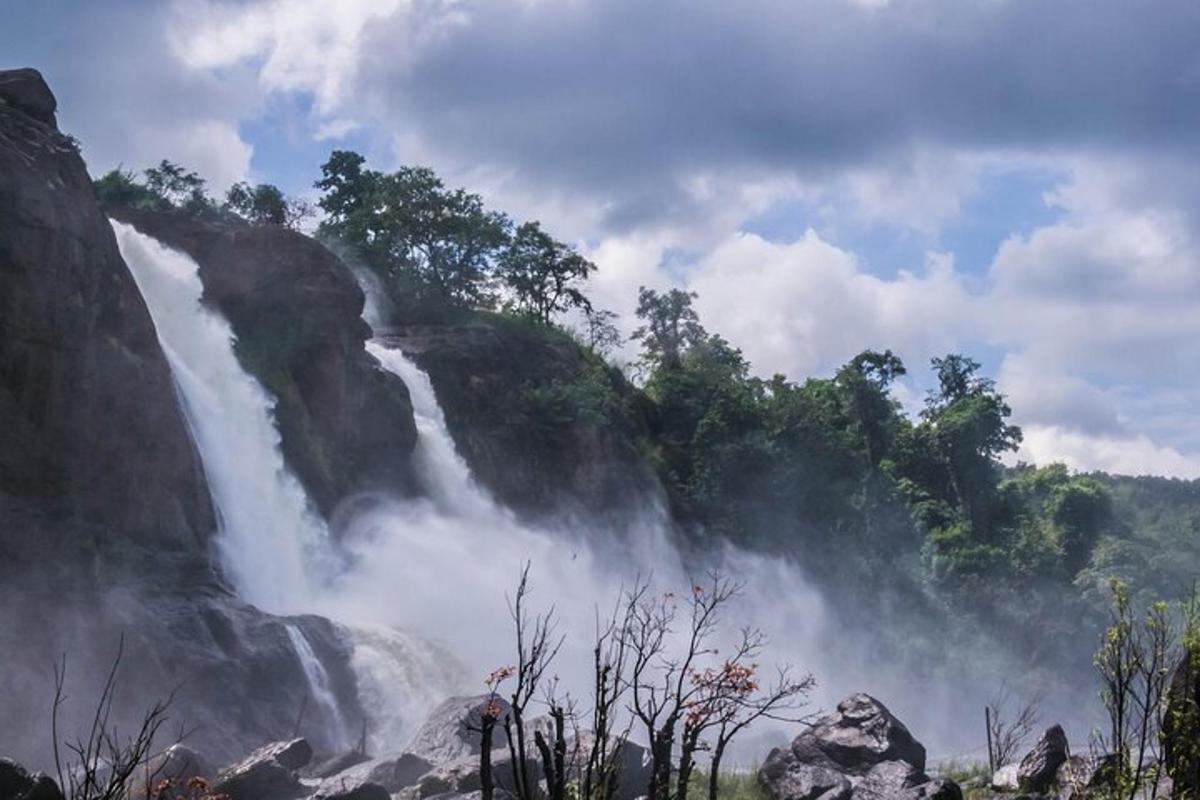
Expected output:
(889, 779)
(1038, 769)
(365, 791)
(332, 765)
(17, 784)
(451, 730)
(1078, 775)
(26, 90)
(785, 778)
(1005, 778)
(393, 773)
(268, 773)
(861, 734)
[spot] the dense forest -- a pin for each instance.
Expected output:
(875, 504)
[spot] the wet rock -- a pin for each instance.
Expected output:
(17, 784)
(1079, 775)
(861, 734)
(785, 778)
(268, 773)
(393, 773)
(26, 90)
(1037, 770)
(345, 424)
(1005, 778)
(890, 779)
(451, 730)
(332, 765)
(365, 791)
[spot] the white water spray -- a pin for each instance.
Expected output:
(270, 543)
(318, 686)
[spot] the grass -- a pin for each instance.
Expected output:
(731, 785)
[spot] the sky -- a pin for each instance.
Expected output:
(1017, 180)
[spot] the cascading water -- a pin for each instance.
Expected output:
(318, 687)
(269, 540)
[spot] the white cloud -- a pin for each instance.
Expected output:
(805, 307)
(1128, 455)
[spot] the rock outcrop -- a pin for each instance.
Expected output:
(860, 752)
(268, 773)
(346, 425)
(106, 526)
(1039, 768)
(17, 784)
(544, 428)
(451, 731)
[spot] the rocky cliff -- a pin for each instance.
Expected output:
(547, 428)
(106, 525)
(346, 425)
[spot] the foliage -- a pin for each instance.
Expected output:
(428, 243)
(120, 187)
(265, 204)
(543, 274)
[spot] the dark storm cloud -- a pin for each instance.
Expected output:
(635, 94)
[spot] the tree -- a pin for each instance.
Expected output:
(670, 327)
(265, 204)
(177, 186)
(543, 274)
(427, 242)
(600, 333)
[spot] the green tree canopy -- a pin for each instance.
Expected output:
(543, 274)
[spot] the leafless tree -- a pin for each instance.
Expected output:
(103, 765)
(661, 679)
(537, 645)
(610, 657)
(1009, 725)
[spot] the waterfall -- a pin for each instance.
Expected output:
(444, 474)
(268, 538)
(318, 686)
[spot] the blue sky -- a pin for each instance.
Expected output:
(1014, 179)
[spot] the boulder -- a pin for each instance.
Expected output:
(785, 778)
(861, 734)
(1078, 775)
(1005, 778)
(633, 764)
(451, 730)
(17, 784)
(1039, 767)
(334, 764)
(899, 780)
(461, 776)
(365, 791)
(890, 779)
(393, 773)
(268, 773)
(177, 765)
(26, 90)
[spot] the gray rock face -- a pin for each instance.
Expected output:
(1039, 767)
(1079, 775)
(461, 776)
(861, 734)
(861, 752)
(26, 91)
(786, 778)
(483, 374)
(17, 784)
(268, 773)
(451, 730)
(346, 425)
(1005, 778)
(393, 773)
(366, 791)
(633, 764)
